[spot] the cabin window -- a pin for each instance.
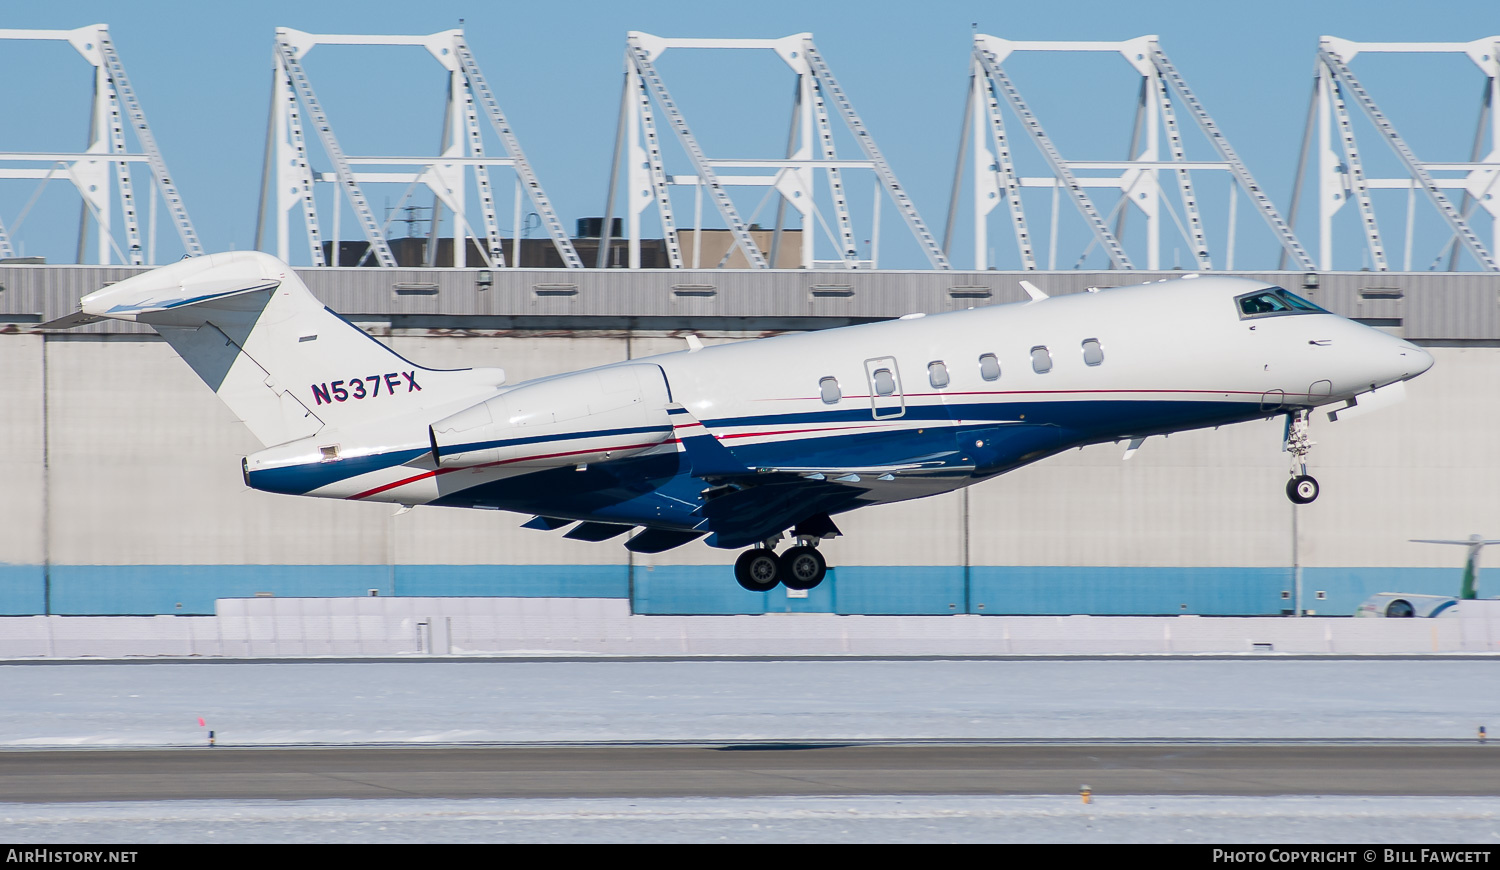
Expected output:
(828, 388)
(937, 374)
(1041, 360)
(989, 367)
(885, 383)
(1093, 354)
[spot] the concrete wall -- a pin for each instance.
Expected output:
(132, 503)
(268, 627)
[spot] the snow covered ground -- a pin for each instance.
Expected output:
(150, 704)
(156, 704)
(865, 819)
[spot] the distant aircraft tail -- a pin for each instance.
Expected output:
(1475, 543)
(283, 362)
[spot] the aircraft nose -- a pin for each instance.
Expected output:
(1415, 358)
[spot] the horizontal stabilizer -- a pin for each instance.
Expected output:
(283, 363)
(77, 318)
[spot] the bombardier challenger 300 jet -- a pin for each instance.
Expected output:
(745, 442)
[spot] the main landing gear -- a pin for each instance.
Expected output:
(801, 567)
(1302, 488)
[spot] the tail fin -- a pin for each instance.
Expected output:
(284, 363)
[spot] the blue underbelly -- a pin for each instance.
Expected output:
(658, 491)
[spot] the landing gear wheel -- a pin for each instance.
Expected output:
(758, 570)
(1302, 489)
(802, 568)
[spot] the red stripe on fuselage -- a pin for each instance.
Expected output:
(1042, 393)
(435, 472)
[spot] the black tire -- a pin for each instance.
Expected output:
(1302, 489)
(758, 570)
(1400, 609)
(802, 568)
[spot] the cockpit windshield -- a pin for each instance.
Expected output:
(1273, 301)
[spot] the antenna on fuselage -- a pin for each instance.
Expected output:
(1033, 291)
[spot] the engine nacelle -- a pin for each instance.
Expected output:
(1402, 605)
(590, 416)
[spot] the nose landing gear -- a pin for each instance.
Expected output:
(1302, 488)
(801, 567)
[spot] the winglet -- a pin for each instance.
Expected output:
(1033, 291)
(706, 456)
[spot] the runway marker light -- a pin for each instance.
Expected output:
(1087, 794)
(1481, 734)
(210, 738)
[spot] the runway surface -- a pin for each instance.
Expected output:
(743, 770)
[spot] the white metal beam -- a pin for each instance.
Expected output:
(1136, 177)
(810, 148)
(988, 51)
(1337, 179)
(115, 109)
(462, 151)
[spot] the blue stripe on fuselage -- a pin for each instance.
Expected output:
(658, 490)
(993, 436)
(302, 479)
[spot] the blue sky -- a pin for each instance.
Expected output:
(203, 73)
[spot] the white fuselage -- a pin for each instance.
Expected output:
(941, 400)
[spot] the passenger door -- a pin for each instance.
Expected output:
(887, 400)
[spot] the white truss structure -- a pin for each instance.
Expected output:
(647, 107)
(469, 105)
(1136, 180)
(1341, 172)
(115, 108)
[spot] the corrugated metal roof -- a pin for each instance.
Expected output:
(1423, 305)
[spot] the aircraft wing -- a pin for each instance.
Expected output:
(747, 503)
(712, 461)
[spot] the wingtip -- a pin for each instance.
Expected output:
(77, 318)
